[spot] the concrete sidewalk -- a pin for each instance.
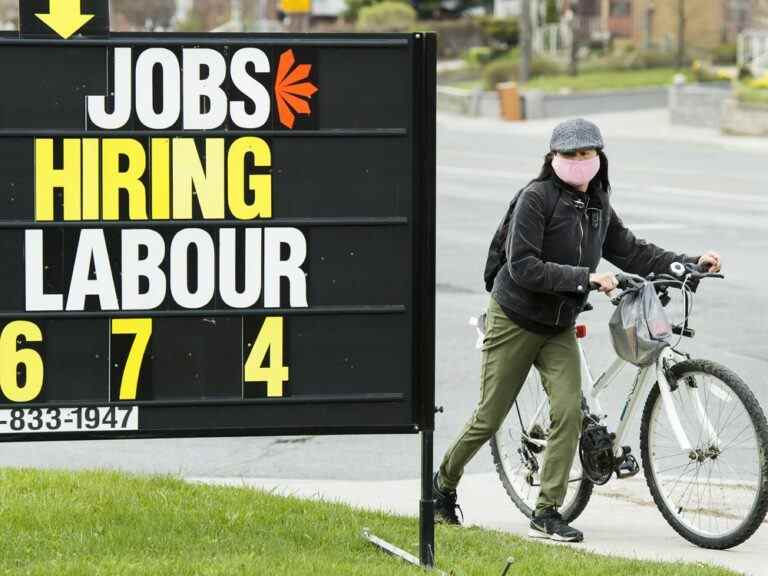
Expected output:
(620, 519)
(650, 124)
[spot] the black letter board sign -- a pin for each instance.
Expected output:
(216, 235)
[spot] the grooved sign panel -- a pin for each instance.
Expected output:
(216, 235)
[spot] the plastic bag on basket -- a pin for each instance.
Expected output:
(639, 326)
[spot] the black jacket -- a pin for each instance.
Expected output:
(555, 239)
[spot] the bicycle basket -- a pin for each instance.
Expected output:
(639, 326)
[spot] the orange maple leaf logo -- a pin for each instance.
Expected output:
(291, 93)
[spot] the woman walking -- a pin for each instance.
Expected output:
(561, 226)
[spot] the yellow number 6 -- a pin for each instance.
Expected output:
(11, 357)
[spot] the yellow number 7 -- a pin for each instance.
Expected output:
(142, 329)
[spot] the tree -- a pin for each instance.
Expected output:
(574, 26)
(525, 42)
(680, 57)
(146, 14)
(551, 12)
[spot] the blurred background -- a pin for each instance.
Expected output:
(680, 92)
(549, 46)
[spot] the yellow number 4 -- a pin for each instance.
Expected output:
(142, 329)
(270, 339)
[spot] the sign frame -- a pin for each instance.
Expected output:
(423, 125)
(423, 221)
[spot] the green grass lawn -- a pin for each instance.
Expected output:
(593, 81)
(612, 80)
(758, 96)
(104, 523)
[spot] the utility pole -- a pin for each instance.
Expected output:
(680, 33)
(236, 11)
(573, 59)
(525, 41)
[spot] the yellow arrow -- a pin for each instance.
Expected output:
(65, 17)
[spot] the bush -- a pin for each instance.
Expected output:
(479, 56)
(507, 69)
(352, 12)
(631, 60)
(386, 17)
(543, 66)
(744, 73)
(652, 59)
(725, 54)
(504, 32)
(702, 72)
(500, 71)
(761, 83)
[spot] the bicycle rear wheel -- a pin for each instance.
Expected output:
(716, 494)
(518, 462)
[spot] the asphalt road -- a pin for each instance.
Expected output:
(683, 195)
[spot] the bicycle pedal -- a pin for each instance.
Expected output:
(628, 468)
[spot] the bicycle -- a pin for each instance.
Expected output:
(703, 436)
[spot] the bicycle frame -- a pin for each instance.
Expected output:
(592, 389)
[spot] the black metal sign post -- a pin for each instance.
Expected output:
(428, 174)
(425, 82)
(215, 235)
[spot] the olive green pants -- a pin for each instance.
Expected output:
(508, 354)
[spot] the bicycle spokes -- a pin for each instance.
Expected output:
(713, 488)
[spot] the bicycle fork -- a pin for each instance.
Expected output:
(670, 410)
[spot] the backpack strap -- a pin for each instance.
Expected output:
(554, 207)
(497, 256)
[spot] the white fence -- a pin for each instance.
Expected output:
(555, 39)
(752, 48)
(550, 39)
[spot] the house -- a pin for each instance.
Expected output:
(617, 18)
(654, 23)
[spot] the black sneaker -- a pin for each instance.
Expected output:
(549, 524)
(445, 505)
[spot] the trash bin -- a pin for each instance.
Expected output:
(509, 99)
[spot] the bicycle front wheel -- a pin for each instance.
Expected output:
(518, 461)
(716, 494)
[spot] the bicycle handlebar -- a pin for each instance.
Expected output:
(688, 274)
(625, 282)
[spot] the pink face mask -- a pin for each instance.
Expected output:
(576, 172)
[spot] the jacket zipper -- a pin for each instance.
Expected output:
(578, 263)
(581, 237)
(581, 229)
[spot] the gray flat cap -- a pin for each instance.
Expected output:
(575, 134)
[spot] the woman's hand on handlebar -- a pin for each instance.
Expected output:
(604, 281)
(710, 262)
